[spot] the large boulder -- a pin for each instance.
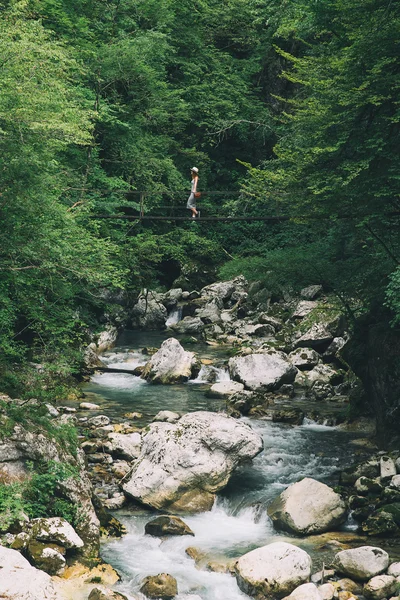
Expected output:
(183, 465)
(304, 358)
(262, 371)
(361, 563)
(106, 339)
(20, 581)
(226, 291)
(307, 507)
(57, 530)
(47, 557)
(162, 587)
(149, 312)
(211, 312)
(380, 587)
(171, 364)
(167, 525)
(273, 571)
(124, 445)
(189, 325)
(318, 337)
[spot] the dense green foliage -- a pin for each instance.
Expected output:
(38, 496)
(292, 107)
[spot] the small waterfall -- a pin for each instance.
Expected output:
(210, 374)
(174, 316)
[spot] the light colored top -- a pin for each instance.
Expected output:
(194, 184)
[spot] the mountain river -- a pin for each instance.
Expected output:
(238, 522)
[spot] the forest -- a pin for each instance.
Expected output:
(287, 108)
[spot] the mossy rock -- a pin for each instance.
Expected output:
(381, 524)
(393, 509)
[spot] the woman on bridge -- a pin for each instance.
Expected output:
(191, 203)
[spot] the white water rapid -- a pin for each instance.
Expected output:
(238, 522)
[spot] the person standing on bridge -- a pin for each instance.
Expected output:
(191, 203)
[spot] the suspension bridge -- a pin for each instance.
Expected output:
(146, 208)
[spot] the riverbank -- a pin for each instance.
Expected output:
(252, 366)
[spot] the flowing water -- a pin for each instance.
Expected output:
(238, 521)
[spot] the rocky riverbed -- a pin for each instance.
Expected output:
(234, 419)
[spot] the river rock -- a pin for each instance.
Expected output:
(361, 563)
(103, 593)
(124, 446)
(106, 339)
(167, 525)
(394, 569)
(225, 389)
(307, 507)
(387, 468)
(48, 558)
(273, 570)
(381, 524)
(318, 337)
(306, 591)
(311, 292)
(90, 357)
(88, 406)
(149, 312)
(172, 297)
(264, 372)
(395, 482)
(186, 463)
(226, 290)
(99, 421)
(57, 530)
(20, 581)
(161, 586)
(189, 326)
(168, 416)
(211, 312)
(380, 587)
(267, 319)
(171, 364)
(303, 308)
(304, 359)
(321, 373)
(365, 485)
(326, 591)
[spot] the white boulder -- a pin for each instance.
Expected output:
(262, 371)
(124, 445)
(387, 468)
(20, 581)
(224, 389)
(225, 290)
(380, 587)
(167, 415)
(304, 358)
(321, 373)
(306, 591)
(171, 364)
(394, 569)
(149, 312)
(317, 337)
(182, 465)
(273, 570)
(361, 563)
(307, 507)
(57, 530)
(326, 591)
(303, 308)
